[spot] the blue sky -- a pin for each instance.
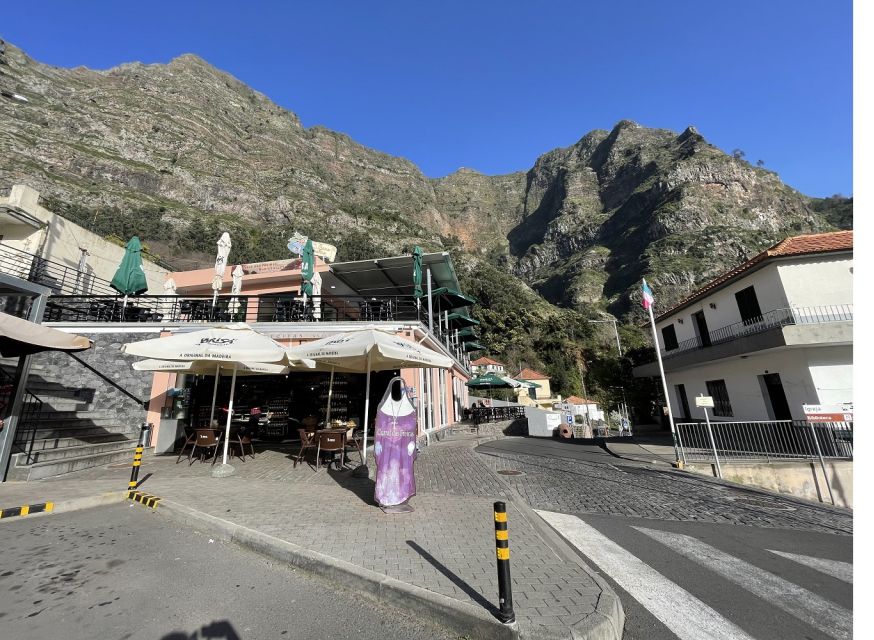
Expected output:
(492, 85)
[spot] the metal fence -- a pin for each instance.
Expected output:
(60, 278)
(771, 440)
(28, 418)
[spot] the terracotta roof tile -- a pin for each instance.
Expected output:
(484, 361)
(531, 374)
(795, 246)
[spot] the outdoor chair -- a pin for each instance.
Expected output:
(192, 437)
(236, 440)
(353, 442)
(205, 439)
(330, 441)
(307, 442)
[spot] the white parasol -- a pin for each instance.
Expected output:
(221, 261)
(169, 306)
(369, 350)
(236, 287)
(234, 347)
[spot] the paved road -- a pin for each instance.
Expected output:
(126, 572)
(691, 558)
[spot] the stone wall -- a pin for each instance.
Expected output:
(106, 357)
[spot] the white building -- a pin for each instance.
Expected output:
(487, 365)
(577, 406)
(38, 245)
(766, 337)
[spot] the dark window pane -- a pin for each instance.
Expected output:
(721, 404)
(748, 305)
(669, 336)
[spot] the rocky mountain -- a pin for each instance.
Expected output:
(179, 152)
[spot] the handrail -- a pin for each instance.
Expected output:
(103, 377)
(58, 277)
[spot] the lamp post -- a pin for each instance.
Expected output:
(618, 348)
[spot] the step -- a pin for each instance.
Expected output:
(50, 414)
(47, 433)
(78, 450)
(61, 442)
(53, 468)
(49, 422)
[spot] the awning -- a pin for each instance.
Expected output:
(388, 276)
(467, 334)
(461, 320)
(20, 337)
(448, 298)
(472, 346)
(528, 385)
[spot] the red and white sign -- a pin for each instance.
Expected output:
(829, 412)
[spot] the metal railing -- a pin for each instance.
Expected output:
(496, 414)
(770, 440)
(766, 321)
(28, 420)
(60, 278)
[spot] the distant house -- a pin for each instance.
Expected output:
(766, 337)
(487, 365)
(541, 394)
(577, 406)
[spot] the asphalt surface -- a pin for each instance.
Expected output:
(127, 572)
(690, 557)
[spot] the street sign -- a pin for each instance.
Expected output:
(570, 419)
(842, 412)
(704, 401)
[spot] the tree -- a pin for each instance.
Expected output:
(760, 163)
(738, 154)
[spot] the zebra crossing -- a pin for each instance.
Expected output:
(686, 615)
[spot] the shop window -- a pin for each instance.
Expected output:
(719, 392)
(669, 337)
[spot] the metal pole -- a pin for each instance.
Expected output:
(712, 442)
(655, 341)
(330, 391)
(367, 400)
(822, 463)
(214, 395)
(502, 550)
(430, 302)
(230, 415)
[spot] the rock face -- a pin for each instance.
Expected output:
(186, 142)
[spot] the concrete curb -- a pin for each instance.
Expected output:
(608, 620)
(75, 504)
(460, 617)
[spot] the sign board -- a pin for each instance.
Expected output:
(323, 250)
(271, 266)
(704, 401)
(842, 412)
(569, 418)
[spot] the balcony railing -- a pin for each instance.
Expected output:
(765, 322)
(250, 309)
(60, 278)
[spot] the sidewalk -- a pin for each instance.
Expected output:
(442, 555)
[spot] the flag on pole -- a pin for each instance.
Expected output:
(648, 300)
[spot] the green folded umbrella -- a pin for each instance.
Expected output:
(467, 334)
(307, 269)
(491, 381)
(417, 272)
(130, 279)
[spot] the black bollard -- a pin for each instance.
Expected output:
(138, 457)
(502, 548)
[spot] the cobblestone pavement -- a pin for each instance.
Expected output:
(446, 545)
(612, 486)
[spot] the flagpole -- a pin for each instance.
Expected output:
(655, 341)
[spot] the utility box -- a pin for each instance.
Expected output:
(170, 432)
(541, 423)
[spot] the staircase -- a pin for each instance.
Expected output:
(68, 433)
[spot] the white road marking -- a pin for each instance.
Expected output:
(830, 618)
(684, 614)
(834, 568)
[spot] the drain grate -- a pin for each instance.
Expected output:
(511, 472)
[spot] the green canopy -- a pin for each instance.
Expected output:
(417, 272)
(452, 299)
(307, 269)
(529, 385)
(472, 346)
(130, 279)
(462, 320)
(467, 334)
(491, 381)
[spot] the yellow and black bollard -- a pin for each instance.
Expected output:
(138, 457)
(502, 548)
